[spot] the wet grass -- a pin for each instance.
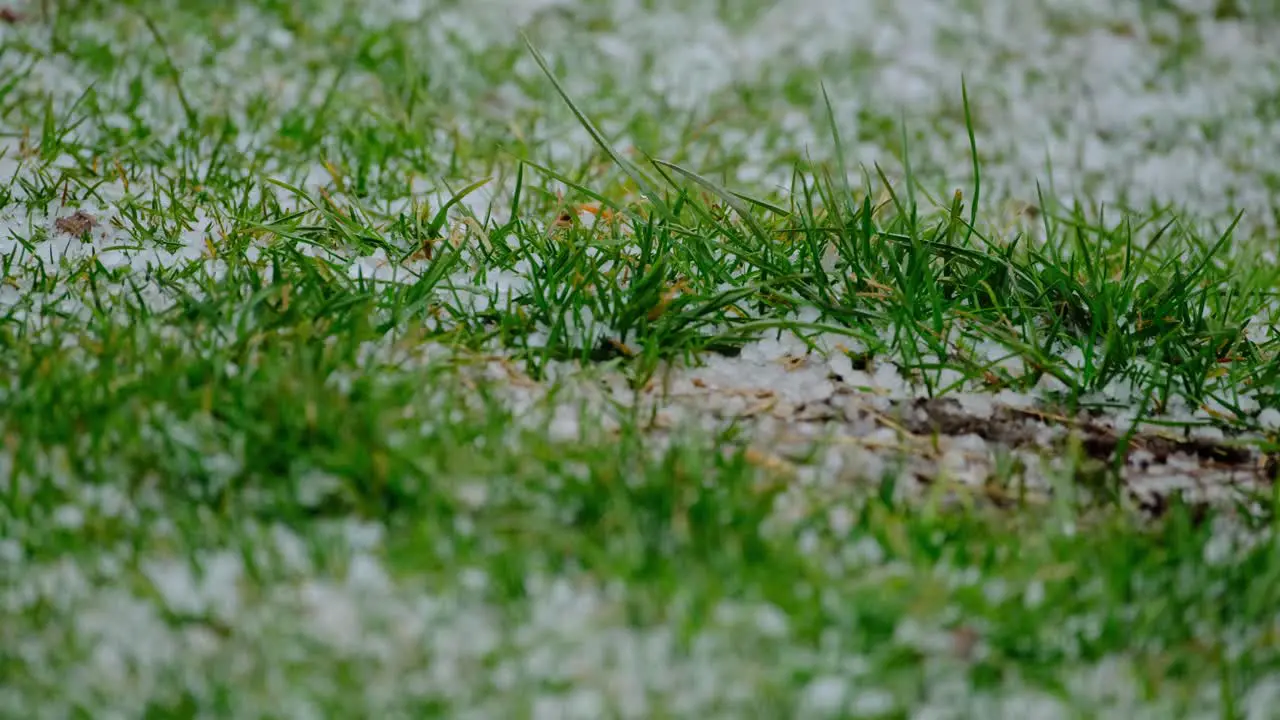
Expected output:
(348, 296)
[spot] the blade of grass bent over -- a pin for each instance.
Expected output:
(647, 186)
(731, 199)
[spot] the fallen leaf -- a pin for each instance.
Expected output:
(77, 224)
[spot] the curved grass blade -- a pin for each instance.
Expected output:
(586, 191)
(437, 222)
(731, 199)
(973, 151)
(840, 154)
(764, 204)
(647, 186)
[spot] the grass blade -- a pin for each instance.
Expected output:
(647, 186)
(731, 199)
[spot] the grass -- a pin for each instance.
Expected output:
(305, 416)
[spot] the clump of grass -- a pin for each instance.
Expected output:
(294, 316)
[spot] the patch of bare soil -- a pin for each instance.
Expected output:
(76, 224)
(802, 421)
(1004, 451)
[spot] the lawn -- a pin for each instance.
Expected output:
(639, 359)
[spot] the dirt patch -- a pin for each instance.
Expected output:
(1005, 450)
(1008, 425)
(806, 422)
(77, 224)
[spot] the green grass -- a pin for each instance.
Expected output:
(262, 378)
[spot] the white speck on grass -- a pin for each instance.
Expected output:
(10, 551)
(366, 574)
(872, 703)
(314, 487)
(1034, 594)
(212, 589)
(825, 696)
(68, 517)
(771, 621)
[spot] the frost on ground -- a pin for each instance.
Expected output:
(1117, 105)
(352, 641)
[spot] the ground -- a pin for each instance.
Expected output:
(648, 358)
